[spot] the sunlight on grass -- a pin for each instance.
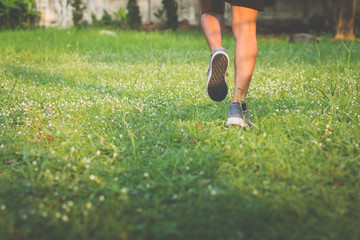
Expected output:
(105, 137)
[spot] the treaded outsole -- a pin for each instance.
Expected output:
(217, 87)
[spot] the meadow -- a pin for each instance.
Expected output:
(114, 137)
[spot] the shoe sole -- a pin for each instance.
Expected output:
(235, 121)
(216, 86)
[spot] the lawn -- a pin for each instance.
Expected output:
(114, 137)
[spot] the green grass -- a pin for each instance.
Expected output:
(105, 137)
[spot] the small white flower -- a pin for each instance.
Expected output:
(65, 218)
(72, 149)
(98, 152)
(146, 175)
(92, 177)
(88, 205)
(2, 146)
(115, 154)
(3, 207)
(214, 192)
(101, 198)
(124, 190)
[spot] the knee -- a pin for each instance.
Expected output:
(244, 27)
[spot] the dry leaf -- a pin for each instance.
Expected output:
(47, 136)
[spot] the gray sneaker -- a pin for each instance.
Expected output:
(216, 85)
(236, 115)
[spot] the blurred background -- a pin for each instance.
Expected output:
(280, 16)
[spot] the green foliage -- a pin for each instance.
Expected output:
(133, 17)
(18, 14)
(106, 19)
(120, 18)
(171, 8)
(119, 21)
(78, 12)
(94, 21)
(109, 137)
(160, 14)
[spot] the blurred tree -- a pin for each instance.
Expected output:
(77, 12)
(345, 24)
(134, 18)
(18, 14)
(171, 8)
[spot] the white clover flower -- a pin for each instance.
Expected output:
(213, 192)
(92, 177)
(65, 218)
(88, 205)
(98, 152)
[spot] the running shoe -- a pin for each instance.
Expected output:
(236, 115)
(216, 85)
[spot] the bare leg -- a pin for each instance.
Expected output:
(211, 25)
(244, 30)
(211, 17)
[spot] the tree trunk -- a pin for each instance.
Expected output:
(345, 25)
(330, 10)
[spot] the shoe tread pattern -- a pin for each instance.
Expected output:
(217, 86)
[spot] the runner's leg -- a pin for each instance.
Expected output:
(211, 16)
(244, 30)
